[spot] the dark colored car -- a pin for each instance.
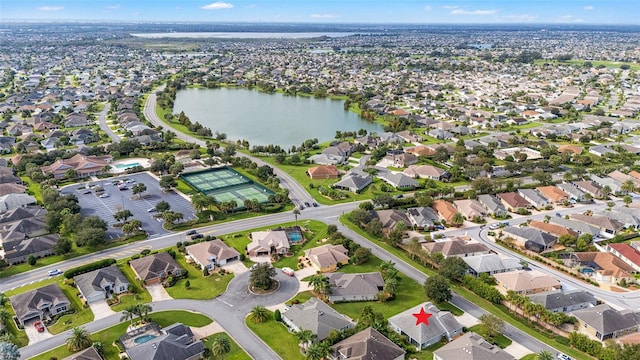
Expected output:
(306, 204)
(315, 204)
(191, 232)
(197, 236)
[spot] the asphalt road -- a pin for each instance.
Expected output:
(102, 121)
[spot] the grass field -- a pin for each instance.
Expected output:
(278, 337)
(236, 352)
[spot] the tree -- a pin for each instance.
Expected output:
(162, 206)
(262, 276)
(453, 268)
(62, 246)
(122, 215)
(220, 346)
(90, 236)
(436, 288)
(258, 314)
(306, 337)
(361, 256)
(9, 351)
(628, 186)
(168, 182)
(318, 351)
(296, 212)
(138, 188)
(200, 201)
(544, 355)
(79, 340)
(458, 219)
(627, 199)
(390, 287)
(491, 325)
(31, 260)
(132, 226)
(320, 284)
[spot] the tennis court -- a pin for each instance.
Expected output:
(226, 184)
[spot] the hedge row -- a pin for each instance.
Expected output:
(88, 267)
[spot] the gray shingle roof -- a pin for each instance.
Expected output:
(355, 284)
(95, 280)
(31, 301)
(176, 344)
(153, 266)
(472, 346)
(368, 344)
(557, 299)
(491, 263)
(607, 320)
(440, 324)
(316, 316)
(531, 234)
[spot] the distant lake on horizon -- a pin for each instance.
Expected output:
(263, 118)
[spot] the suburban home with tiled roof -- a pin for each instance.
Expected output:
(535, 198)
(458, 247)
(445, 210)
(316, 316)
(470, 208)
(353, 182)
(526, 282)
(327, 258)
(427, 172)
(82, 164)
(578, 226)
(530, 238)
(553, 194)
(208, 254)
(153, 269)
(590, 187)
(39, 303)
(100, 284)
(367, 344)
(572, 191)
(626, 253)
(552, 229)
(608, 227)
(605, 266)
(390, 218)
(568, 301)
(323, 172)
(354, 287)
(492, 204)
(513, 201)
(490, 264)
(264, 243)
(603, 322)
(471, 346)
(440, 324)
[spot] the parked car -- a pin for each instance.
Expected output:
(191, 232)
(153, 209)
(87, 192)
(315, 204)
(197, 236)
(301, 207)
(104, 196)
(123, 188)
(494, 226)
(288, 271)
(39, 326)
(306, 204)
(55, 272)
(564, 357)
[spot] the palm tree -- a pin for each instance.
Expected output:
(258, 314)
(628, 186)
(318, 351)
(458, 219)
(544, 355)
(220, 346)
(306, 338)
(390, 286)
(3, 299)
(79, 340)
(200, 202)
(4, 316)
(296, 212)
(320, 284)
(128, 314)
(386, 266)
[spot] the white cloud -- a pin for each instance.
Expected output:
(473, 12)
(324, 16)
(50, 8)
(112, 7)
(218, 6)
(427, 8)
(589, 8)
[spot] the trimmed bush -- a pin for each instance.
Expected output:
(88, 267)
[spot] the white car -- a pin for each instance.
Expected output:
(494, 226)
(288, 271)
(55, 272)
(104, 196)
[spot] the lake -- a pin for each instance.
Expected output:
(263, 118)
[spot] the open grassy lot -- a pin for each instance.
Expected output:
(109, 335)
(236, 352)
(278, 337)
(201, 288)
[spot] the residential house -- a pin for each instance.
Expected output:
(327, 258)
(422, 217)
(208, 254)
(89, 353)
(390, 218)
(18, 250)
(76, 119)
(174, 342)
(629, 217)
(399, 180)
(354, 287)
(626, 253)
(553, 194)
(530, 238)
(100, 284)
(604, 322)
(354, 182)
(600, 150)
(532, 196)
(471, 346)
(409, 136)
(578, 226)
(552, 229)
(568, 301)
(471, 209)
(316, 316)
(572, 191)
(490, 264)
(367, 344)
(622, 178)
(608, 227)
(439, 325)
(153, 269)
(492, 204)
(427, 172)
(264, 243)
(399, 159)
(83, 165)
(40, 303)
(614, 185)
(445, 210)
(513, 201)
(602, 266)
(458, 247)
(23, 229)
(526, 282)
(323, 172)
(326, 159)
(14, 201)
(590, 187)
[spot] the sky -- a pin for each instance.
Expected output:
(613, 12)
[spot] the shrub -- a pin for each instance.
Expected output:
(31, 260)
(145, 252)
(172, 253)
(277, 316)
(88, 267)
(187, 284)
(242, 257)
(205, 271)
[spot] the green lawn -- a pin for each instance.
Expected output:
(447, 306)
(141, 295)
(278, 337)
(21, 338)
(109, 335)
(202, 288)
(499, 339)
(427, 354)
(530, 357)
(236, 352)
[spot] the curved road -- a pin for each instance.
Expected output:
(228, 310)
(296, 192)
(102, 121)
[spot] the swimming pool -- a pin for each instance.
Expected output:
(127, 166)
(295, 237)
(143, 339)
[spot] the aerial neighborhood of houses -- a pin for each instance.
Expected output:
(495, 213)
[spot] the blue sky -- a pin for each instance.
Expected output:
(330, 11)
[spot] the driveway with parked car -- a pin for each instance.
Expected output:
(105, 197)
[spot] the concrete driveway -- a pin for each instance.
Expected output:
(235, 267)
(158, 292)
(33, 334)
(100, 309)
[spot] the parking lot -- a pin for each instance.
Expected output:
(105, 204)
